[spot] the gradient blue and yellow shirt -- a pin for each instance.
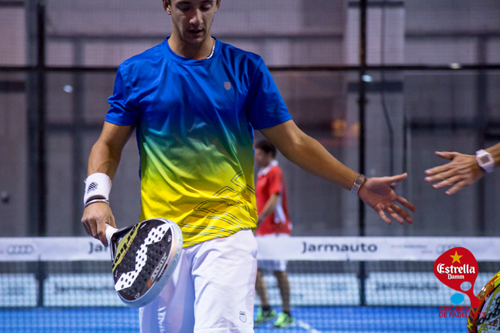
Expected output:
(194, 121)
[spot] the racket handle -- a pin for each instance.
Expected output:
(109, 232)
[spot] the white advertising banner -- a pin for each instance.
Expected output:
(52, 249)
(273, 248)
(373, 248)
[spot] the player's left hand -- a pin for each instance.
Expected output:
(378, 193)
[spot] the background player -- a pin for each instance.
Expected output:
(274, 221)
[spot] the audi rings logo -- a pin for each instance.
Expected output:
(20, 249)
(442, 248)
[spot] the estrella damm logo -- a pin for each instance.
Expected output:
(457, 268)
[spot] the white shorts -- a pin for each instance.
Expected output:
(211, 290)
(273, 265)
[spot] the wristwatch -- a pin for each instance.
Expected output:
(357, 184)
(485, 160)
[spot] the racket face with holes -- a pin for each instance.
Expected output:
(144, 257)
(486, 317)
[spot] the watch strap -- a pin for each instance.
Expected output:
(357, 183)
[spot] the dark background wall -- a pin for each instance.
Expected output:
(411, 112)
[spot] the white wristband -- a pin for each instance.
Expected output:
(97, 185)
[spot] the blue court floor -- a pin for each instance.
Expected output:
(314, 320)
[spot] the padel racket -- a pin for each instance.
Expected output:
(144, 257)
(486, 317)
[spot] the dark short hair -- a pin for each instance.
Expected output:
(168, 1)
(266, 146)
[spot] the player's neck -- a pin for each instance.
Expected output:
(198, 52)
(269, 163)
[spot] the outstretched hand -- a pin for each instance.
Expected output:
(378, 193)
(462, 171)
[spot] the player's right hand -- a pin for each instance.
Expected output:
(462, 171)
(94, 220)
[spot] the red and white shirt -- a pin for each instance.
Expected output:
(270, 181)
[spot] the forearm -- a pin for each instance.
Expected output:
(106, 153)
(309, 154)
(103, 159)
(495, 153)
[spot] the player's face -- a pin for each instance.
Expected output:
(262, 158)
(192, 19)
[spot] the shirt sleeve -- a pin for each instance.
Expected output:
(264, 104)
(121, 112)
(275, 178)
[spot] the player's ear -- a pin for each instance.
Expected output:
(166, 7)
(217, 4)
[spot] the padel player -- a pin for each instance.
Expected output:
(274, 221)
(194, 102)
